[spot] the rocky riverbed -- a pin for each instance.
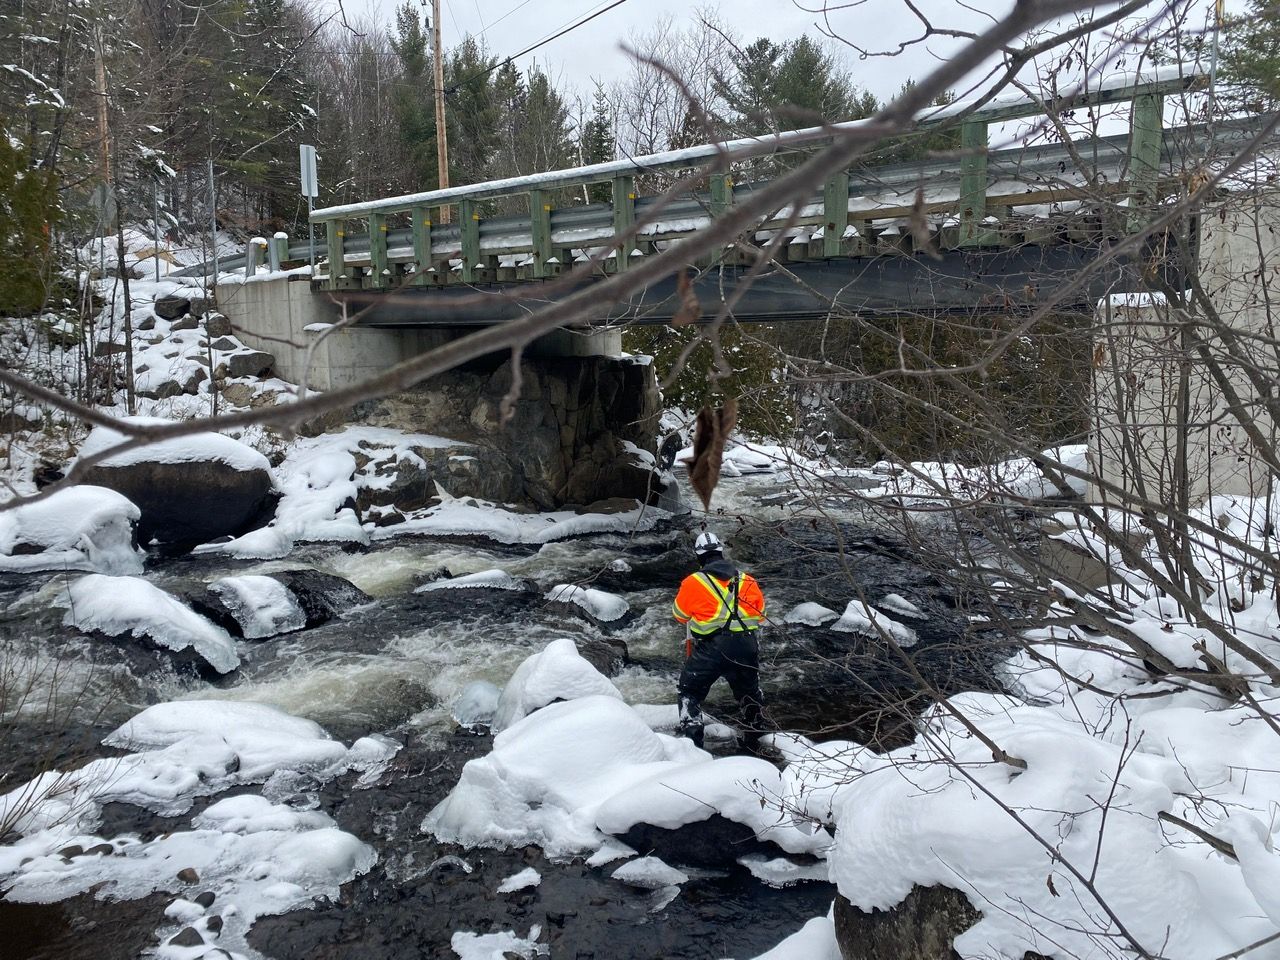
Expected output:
(394, 666)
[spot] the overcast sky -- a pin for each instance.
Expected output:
(594, 49)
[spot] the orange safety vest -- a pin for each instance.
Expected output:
(703, 604)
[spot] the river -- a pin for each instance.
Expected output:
(395, 667)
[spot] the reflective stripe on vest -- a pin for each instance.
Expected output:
(723, 615)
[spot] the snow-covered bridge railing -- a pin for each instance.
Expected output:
(970, 196)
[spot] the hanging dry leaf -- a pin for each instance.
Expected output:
(690, 310)
(711, 431)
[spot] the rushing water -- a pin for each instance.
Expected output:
(395, 665)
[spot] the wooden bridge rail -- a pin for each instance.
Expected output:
(430, 244)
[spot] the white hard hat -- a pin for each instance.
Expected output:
(707, 542)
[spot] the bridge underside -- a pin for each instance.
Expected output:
(954, 281)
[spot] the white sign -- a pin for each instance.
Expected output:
(307, 161)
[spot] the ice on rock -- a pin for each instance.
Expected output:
(558, 672)
(810, 615)
(476, 704)
(499, 946)
(649, 873)
(860, 618)
(603, 606)
(523, 880)
(610, 851)
(781, 872)
(77, 528)
(263, 606)
(492, 579)
(130, 605)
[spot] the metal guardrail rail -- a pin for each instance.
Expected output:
(385, 256)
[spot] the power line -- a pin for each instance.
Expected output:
(541, 43)
(518, 6)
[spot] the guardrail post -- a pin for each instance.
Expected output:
(1146, 120)
(624, 217)
(378, 249)
(721, 194)
(835, 213)
(973, 183)
(422, 244)
(540, 232)
(278, 250)
(253, 251)
(469, 225)
(337, 252)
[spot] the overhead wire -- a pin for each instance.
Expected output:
(587, 18)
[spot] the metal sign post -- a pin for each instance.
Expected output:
(310, 190)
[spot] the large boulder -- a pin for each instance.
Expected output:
(190, 489)
(322, 596)
(582, 431)
(77, 528)
(921, 927)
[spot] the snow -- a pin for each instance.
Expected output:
(557, 672)
(263, 606)
(470, 517)
(603, 606)
(261, 856)
(575, 771)
(189, 449)
(870, 622)
(896, 603)
(925, 482)
(76, 528)
(130, 605)
(810, 615)
(816, 940)
(523, 880)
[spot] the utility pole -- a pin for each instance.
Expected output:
(442, 132)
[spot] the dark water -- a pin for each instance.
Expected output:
(392, 666)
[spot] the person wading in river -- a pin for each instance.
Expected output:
(722, 609)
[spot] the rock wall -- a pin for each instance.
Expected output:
(566, 443)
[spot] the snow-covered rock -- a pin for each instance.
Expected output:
(77, 528)
(494, 579)
(190, 489)
(523, 880)
(119, 606)
(601, 606)
(865, 620)
(262, 606)
(810, 615)
(262, 856)
(557, 672)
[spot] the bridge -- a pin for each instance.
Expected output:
(1003, 226)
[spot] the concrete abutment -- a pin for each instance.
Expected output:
(583, 429)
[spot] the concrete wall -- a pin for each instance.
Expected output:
(1146, 367)
(273, 315)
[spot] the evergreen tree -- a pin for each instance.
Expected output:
(1251, 55)
(472, 112)
(809, 87)
(415, 99)
(749, 92)
(596, 143)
